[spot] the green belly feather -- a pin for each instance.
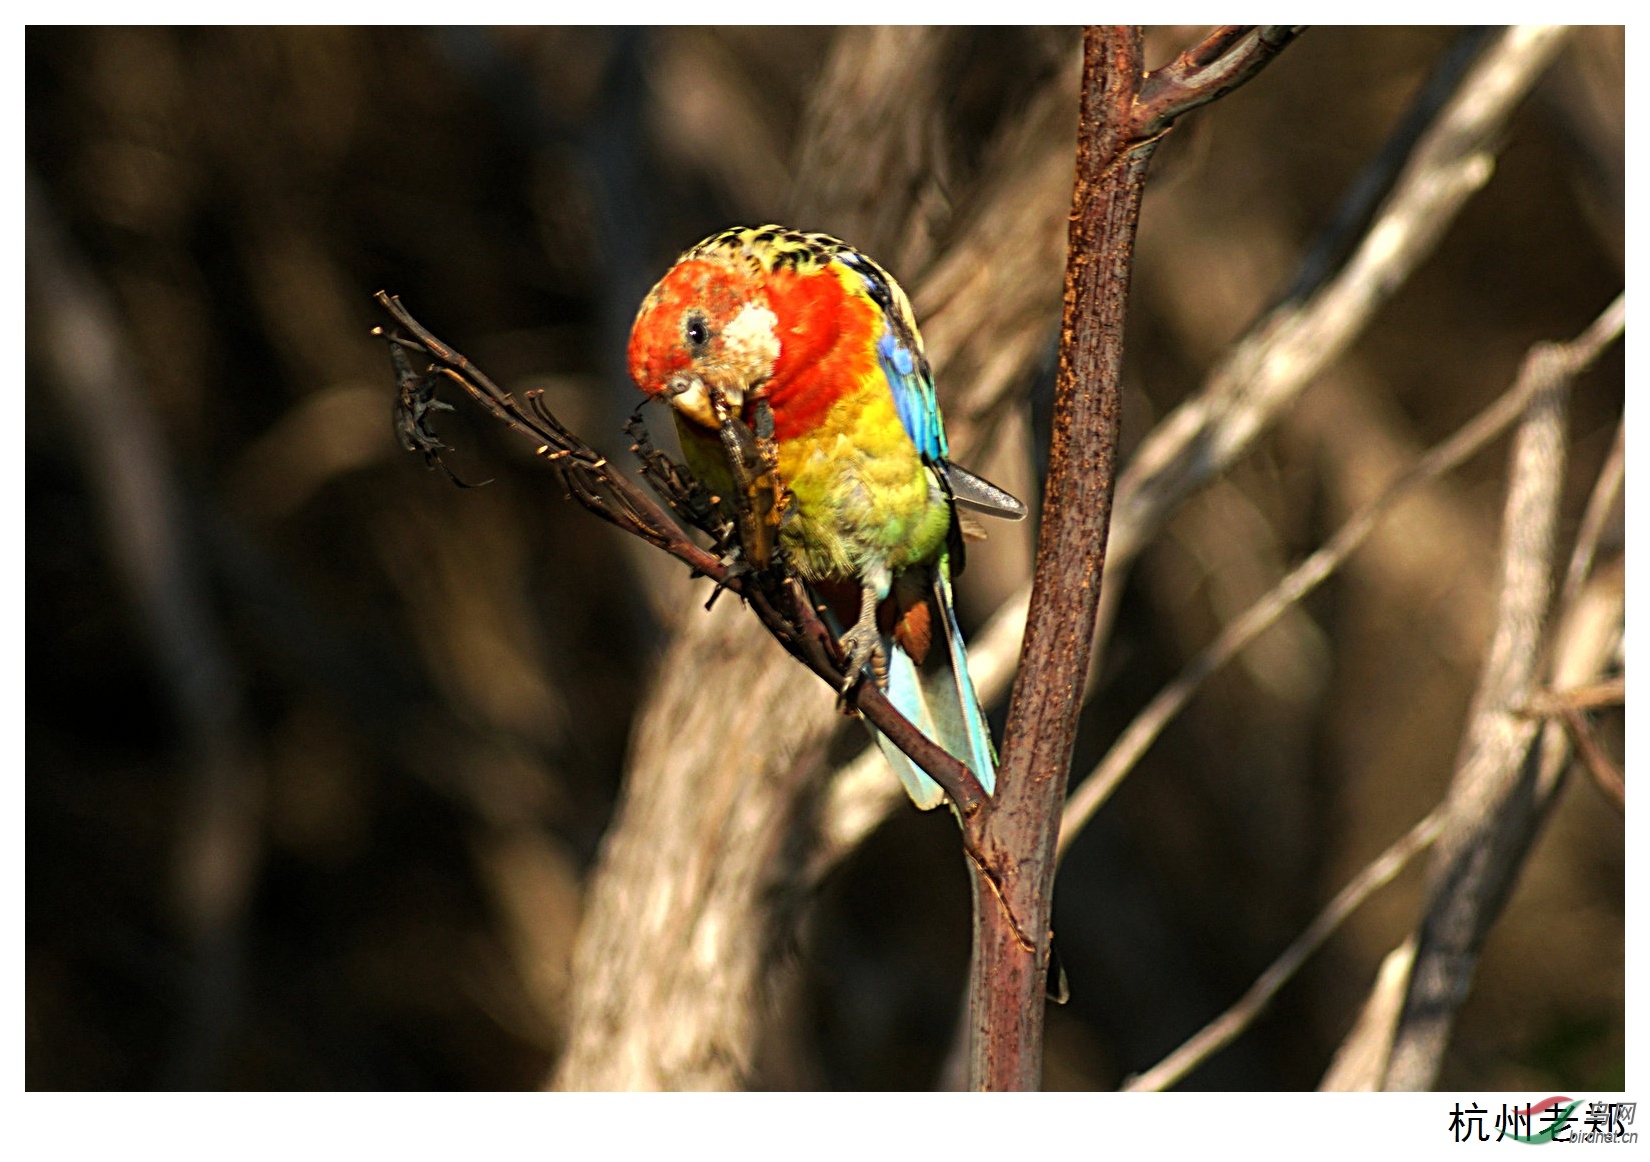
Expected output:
(863, 503)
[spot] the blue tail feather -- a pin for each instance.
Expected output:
(905, 691)
(941, 702)
(973, 743)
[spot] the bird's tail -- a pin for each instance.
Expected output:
(938, 697)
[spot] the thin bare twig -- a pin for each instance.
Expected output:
(1571, 703)
(1599, 503)
(1592, 696)
(583, 470)
(1226, 1028)
(1008, 972)
(1473, 435)
(1605, 773)
(1585, 645)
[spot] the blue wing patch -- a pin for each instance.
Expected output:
(899, 352)
(914, 399)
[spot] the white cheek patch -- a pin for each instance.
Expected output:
(751, 340)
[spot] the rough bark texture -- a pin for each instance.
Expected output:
(1011, 916)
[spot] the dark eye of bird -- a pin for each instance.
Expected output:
(698, 334)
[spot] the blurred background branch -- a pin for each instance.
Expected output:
(1509, 767)
(1538, 376)
(1262, 615)
(1498, 796)
(148, 526)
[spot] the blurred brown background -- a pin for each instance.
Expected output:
(321, 749)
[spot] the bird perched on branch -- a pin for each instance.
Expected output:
(868, 512)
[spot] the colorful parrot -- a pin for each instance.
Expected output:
(869, 519)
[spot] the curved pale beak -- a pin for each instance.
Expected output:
(692, 397)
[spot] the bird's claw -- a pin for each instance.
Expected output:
(862, 645)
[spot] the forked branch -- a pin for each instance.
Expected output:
(1226, 58)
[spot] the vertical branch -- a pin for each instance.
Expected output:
(1011, 934)
(1122, 114)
